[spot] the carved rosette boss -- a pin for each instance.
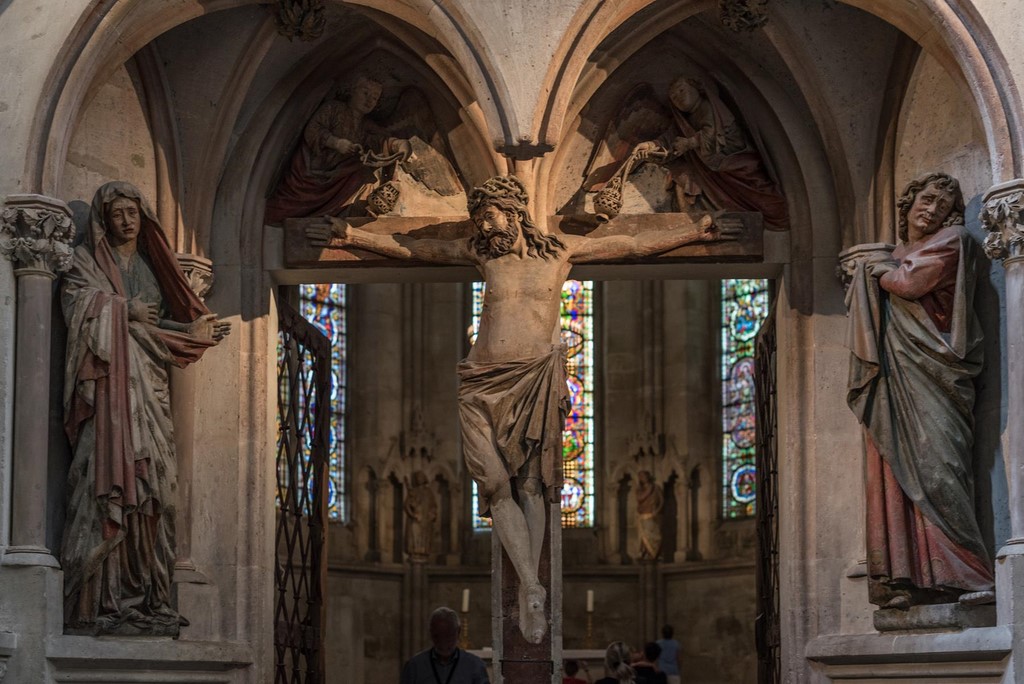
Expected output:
(743, 15)
(1003, 218)
(36, 234)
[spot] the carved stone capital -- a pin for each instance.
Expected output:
(198, 272)
(302, 19)
(743, 15)
(1003, 218)
(849, 258)
(36, 233)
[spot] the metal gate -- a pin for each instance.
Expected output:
(303, 410)
(767, 632)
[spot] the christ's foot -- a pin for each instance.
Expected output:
(532, 622)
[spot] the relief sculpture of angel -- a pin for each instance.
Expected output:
(359, 155)
(693, 154)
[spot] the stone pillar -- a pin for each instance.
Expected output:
(35, 233)
(199, 273)
(1003, 217)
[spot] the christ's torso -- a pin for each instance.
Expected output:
(520, 316)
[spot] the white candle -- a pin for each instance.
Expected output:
(590, 600)
(465, 600)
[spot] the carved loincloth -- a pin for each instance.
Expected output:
(512, 412)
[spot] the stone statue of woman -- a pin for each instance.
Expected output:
(130, 315)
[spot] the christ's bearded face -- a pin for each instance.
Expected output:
(499, 232)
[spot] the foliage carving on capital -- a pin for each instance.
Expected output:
(198, 272)
(36, 233)
(743, 15)
(1003, 218)
(302, 19)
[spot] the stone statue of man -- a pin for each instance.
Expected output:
(513, 397)
(421, 511)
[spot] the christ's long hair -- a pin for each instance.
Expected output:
(508, 195)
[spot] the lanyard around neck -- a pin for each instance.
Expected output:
(433, 667)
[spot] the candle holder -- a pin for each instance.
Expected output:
(588, 640)
(464, 641)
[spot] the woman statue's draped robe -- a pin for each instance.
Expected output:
(916, 348)
(118, 548)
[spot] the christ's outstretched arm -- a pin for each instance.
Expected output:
(583, 250)
(337, 232)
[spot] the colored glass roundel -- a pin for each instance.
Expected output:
(578, 439)
(323, 305)
(744, 309)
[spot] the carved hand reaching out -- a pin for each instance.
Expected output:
(209, 328)
(650, 151)
(724, 228)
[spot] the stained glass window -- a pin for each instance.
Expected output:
(744, 308)
(578, 438)
(323, 305)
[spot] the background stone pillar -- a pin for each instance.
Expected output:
(35, 234)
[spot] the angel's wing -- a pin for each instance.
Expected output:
(640, 117)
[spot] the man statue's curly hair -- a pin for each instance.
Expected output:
(508, 194)
(942, 181)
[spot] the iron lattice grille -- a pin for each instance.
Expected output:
(767, 631)
(303, 410)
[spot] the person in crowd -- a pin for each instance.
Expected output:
(444, 661)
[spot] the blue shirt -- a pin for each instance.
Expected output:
(667, 661)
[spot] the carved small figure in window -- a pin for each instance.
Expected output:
(649, 503)
(421, 511)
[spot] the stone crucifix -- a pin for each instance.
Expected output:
(513, 397)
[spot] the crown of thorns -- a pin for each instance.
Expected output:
(502, 190)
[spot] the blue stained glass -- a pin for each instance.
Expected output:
(577, 321)
(744, 309)
(323, 305)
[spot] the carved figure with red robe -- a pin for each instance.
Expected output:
(709, 159)
(915, 350)
(130, 315)
(350, 152)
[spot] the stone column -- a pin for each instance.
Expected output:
(199, 273)
(1003, 217)
(35, 234)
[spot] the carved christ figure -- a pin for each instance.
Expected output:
(513, 397)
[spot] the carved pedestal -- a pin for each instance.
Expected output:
(35, 233)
